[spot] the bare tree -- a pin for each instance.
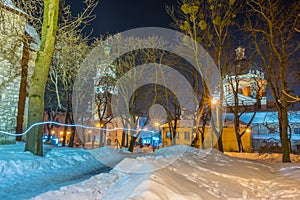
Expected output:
(244, 79)
(292, 98)
(208, 23)
(40, 75)
(272, 27)
(125, 67)
(70, 50)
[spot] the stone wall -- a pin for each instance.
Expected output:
(8, 109)
(12, 30)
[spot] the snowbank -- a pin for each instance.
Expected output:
(182, 172)
(24, 176)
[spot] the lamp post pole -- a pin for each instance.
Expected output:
(215, 128)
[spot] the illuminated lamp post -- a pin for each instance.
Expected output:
(215, 125)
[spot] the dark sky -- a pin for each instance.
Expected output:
(119, 15)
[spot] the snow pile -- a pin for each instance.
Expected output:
(182, 172)
(266, 157)
(24, 176)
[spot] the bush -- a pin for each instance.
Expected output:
(270, 147)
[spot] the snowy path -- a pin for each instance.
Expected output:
(25, 176)
(28, 187)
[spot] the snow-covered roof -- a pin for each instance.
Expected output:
(294, 137)
(9, 4)
(35, 44)
(266, 117)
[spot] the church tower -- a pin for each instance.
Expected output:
(246, 80)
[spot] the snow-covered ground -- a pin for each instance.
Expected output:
(178, 172)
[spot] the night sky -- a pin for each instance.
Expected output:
(115, 16)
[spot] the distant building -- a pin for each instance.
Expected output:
(265, 129)
(184, 136)
(250, 80)
(18, 44)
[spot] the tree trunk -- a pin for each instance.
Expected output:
(40, 76)
(73, 132)
(123, 139)
(199, 139)
(127, 138)
(220, 110)
(132, 143)
(67, 120)
(285, 142)
(240, 144)
(22, 92)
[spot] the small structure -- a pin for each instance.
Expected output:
(265, 129)
(18, 43)
(184, 136)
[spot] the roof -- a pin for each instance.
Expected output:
(9, 4)
(36, 42)
(266, 117)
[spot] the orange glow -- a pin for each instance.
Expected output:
(214, 101)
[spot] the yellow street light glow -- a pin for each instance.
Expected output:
(156, 124)
(100, 124)
(214, 101)
(61, 132)
(248, 130)
(68, 133)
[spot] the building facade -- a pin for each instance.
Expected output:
(184, 136)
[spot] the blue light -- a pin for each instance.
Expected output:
(155, 138)
(55, 141)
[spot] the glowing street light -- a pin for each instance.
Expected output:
(215, 109)
(214, 101)
(248, 130)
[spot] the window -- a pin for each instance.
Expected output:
(272, 130)
(168, 134)
(240, 91)
(297, 131)
(255, 129)
(187, 135)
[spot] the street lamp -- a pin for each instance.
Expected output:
(156, 124)
(216, 127)
(214, 101)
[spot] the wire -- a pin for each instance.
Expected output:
(69, 125)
